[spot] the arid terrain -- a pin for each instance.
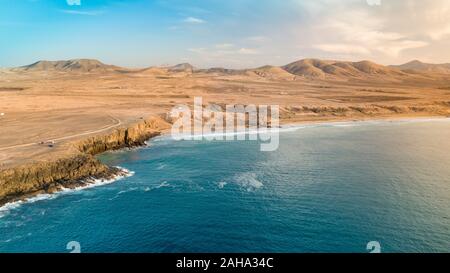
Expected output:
(48, 108)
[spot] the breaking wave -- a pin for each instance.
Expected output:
(5, 209)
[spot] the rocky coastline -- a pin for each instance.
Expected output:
(80, 167)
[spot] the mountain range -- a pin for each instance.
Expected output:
(308, 68)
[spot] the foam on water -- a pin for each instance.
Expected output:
(5, 209)
(160, 166)
(162, 185)
(248, 181)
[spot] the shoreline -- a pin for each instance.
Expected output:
(367, 121)
(80, 165)
(302, 124)
(81, 185)
(135, 136)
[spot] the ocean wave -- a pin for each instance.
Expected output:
(248, 181)
(92, 183)
(123, 192)
(126, 191)
(351, 123)
(164, 184)
(345, 125)
(220, 136)
(5, 209)
(160, 166)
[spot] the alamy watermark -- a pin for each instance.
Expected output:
(373, 247)
(231, 122)
(73, 2)
(74, 247)
(373, 2)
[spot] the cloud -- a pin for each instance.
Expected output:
(198, 50)
(73, 2)
(258, 39)
(364, 35)
(343, 49)
(440, 33)
(223, 50)
(248, 51)
(193, 20)
(224, 46)
(376, 30)
(79, 12)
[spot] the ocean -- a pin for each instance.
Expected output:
(328, 188)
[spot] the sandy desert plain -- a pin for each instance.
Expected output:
(58, 115)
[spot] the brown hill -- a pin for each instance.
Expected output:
(156, 71)
(184, 67)
(315, 68)
(307, 68)
(418, 66)
(270, 72)
(76, 65)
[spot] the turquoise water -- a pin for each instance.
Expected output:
(328, 188)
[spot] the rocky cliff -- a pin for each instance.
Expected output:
(78, 168)
(132, 136)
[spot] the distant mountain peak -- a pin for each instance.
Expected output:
(183, 67)
(418, 66)
(415, 62)
(78, 65)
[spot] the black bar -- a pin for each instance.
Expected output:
(222, 262)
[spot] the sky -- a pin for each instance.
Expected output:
(223, 33)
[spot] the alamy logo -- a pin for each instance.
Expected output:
(73, 2)
(235, 122)
(74, 247)
(374, 247)
(374, 2)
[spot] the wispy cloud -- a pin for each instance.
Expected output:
(224, 46)
(248, 51)
(194, 20)
(221, 50)
(79, 12)
(198, 50)
(343, 48)
(257, 39)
